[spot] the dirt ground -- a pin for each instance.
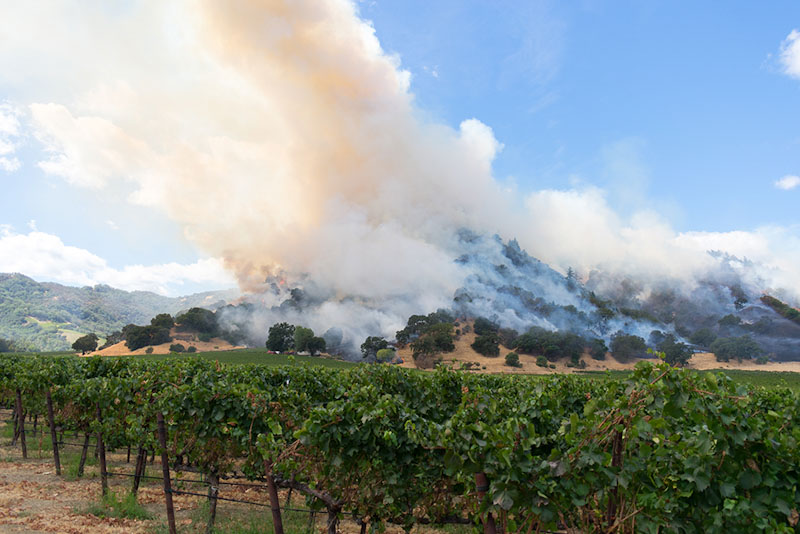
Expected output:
(33, 499)
(184, 338)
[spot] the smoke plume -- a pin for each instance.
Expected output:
(286, 141)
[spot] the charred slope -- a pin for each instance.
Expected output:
(506, 285)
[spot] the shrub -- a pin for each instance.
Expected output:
(552, 344)
(725, 348)
(204, 337)
(625, 346)
(541, 361)
(85, 343)
(507, 336)
(487, 345)
(675, 353)
(148, 350)
(177, 347)
(762, 360)
(280, 337)
(484, 326)
(440, 335)
(315, 345)
(385, 355)
(703, 337)
(552, 366)
(163, 320)
(137, 337)
(191, 348)
(598, 349)
(418, 325)
(512, 359)
(372, 346)
(199, 320)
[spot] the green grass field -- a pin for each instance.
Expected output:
(258, 356)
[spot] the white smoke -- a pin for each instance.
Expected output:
(286, 142)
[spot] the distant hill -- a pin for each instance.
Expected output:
(49, 316)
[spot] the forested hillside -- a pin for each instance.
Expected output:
(49, 316)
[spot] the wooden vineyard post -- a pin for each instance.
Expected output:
(141, 458)
(274, 503)
(15, 418)
(21, 419)
(162, 440)
(84, 451)
(53, 437)
(482, 485)
(101, 450)
(213, 491)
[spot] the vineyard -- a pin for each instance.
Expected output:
(662, 450)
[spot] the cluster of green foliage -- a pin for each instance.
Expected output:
(306, 341)
(551, 344)
(739, 348)
(163, 320)
(137, 337)
(703, 337)
(385, 355)
(86, 343)
(419, 324)
(435, 339)
(675, 352)
(6, 345)
(598, 349)
(512, 359)
(627, 346)
(284, 337)
(281, 337)
(177, 347)
(372, 346)
(604, 307)
(198, 320)
(782, 308)
(658, 450)
(487, 340)
(487, 345)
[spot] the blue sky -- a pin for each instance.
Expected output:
(683, 109)
(687, 98)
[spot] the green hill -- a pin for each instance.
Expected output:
(49, 316)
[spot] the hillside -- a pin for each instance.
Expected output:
(49, 316)
(464, 357)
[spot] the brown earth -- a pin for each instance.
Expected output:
(464, 354)
(184, 338)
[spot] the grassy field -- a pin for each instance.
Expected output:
(751, 378)
(259, 356)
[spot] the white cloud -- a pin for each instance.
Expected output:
(790, 54)
(44, 256)
(788, 182)
(9, 137)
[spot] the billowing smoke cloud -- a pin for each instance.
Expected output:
(286, 142)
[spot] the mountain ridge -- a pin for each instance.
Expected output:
(49, 316)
